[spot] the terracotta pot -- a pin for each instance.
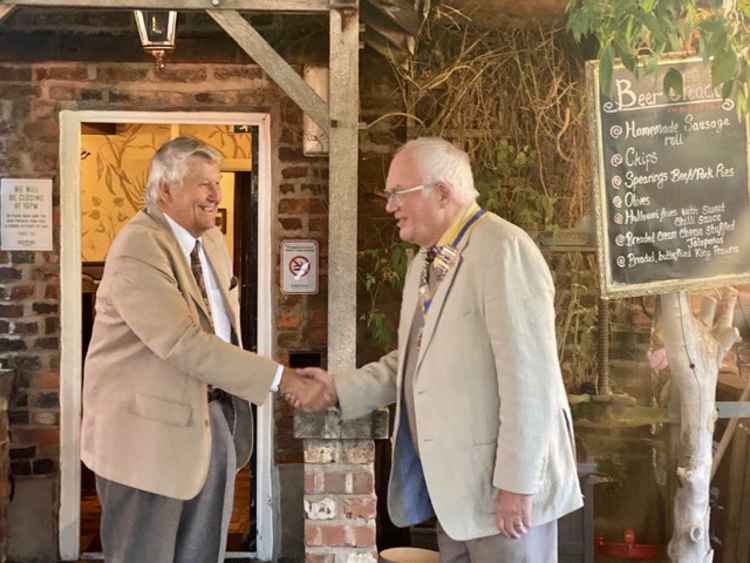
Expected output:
(408, 555)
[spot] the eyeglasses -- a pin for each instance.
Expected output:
(396, 194)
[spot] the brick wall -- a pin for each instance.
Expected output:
(31, 96)
(340, 499)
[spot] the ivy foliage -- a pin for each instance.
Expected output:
(640, 32)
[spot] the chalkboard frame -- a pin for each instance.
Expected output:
(608, 288)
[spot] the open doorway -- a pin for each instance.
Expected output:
(104, 164)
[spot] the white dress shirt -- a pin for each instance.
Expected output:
(219, 314)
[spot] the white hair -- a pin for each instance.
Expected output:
(170, 163)
(439, 161)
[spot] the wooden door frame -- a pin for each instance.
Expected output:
(70, 314)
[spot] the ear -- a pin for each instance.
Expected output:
(165, 191)
(444, 193)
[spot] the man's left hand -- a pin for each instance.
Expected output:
(512, 513)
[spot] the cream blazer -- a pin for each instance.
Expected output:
(152, 354)
(491, 408)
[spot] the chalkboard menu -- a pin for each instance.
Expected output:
(672, 202)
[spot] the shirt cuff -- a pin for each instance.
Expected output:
(277, 378)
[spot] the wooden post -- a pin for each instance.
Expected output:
(695, 348)
(239, 29)
(5, 11)
(343, 100)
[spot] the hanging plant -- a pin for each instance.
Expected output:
(640, 32)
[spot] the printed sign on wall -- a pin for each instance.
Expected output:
(299, 266)
(26, 214)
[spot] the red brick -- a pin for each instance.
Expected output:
(318, 224)
(21, 292)
(302, 206)
(10, 274)
(334, 482)
(363, 483)
(67, 72)
(288, 154)
(122, 73)
(320, 558)
(13, 74)
(63, 93)
(295, 172)
(11, 311)
(291, 223)
(51, 325)
(359, 452)
(46, 379)
(310, 483)
(359, 507)
(364, 536)
(289, 320)
(334, 534)
(41, 436)
(52, 291)
(245, 72)
(313, 534)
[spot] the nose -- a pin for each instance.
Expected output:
(214, 193)
(392, 203)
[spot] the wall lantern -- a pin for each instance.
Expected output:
(156, 29)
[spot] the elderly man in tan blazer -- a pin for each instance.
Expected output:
(483, 436)
(166, 419)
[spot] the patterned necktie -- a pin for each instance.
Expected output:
(195, 266)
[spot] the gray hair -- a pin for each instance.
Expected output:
(440, 161)
(170, 163)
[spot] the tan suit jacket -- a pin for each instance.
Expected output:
(490, 405)
(151, 357)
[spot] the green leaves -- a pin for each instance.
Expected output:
(723, 67)
(628, 28)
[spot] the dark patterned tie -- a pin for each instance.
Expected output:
(195, 266)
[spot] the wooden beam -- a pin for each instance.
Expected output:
(343, 100)
(5, 10)
(275, 66)
(183, 5)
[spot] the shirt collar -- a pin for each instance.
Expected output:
(183, 236)
(450, 235)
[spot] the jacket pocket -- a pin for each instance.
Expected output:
(167, 412)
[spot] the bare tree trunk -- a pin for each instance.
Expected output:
(695, 349)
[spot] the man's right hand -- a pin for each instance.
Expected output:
(309, 389)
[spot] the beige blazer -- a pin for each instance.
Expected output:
(491, 409)
(152, 354)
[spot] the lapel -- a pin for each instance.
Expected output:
(213, 250)
(436, 308)
(182, 268)
(408, 307)
(438, 301)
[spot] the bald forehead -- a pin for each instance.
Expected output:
(404, 170)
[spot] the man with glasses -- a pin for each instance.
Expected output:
(483, 438)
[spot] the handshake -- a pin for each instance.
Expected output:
(308, 389)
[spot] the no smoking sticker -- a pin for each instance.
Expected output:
(299, 266)
(299, 260)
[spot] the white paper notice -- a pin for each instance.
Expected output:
(26, 214)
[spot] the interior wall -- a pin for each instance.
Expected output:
(114, 172)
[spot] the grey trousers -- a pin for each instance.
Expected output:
(539, 545)
(142, 527)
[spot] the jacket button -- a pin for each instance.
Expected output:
(205, 423)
